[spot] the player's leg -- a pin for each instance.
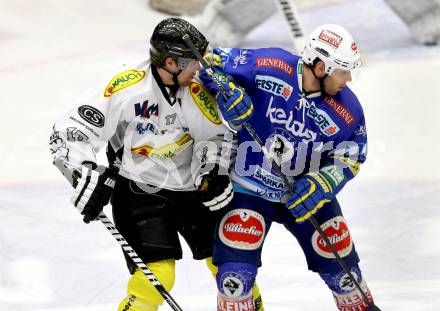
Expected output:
(345, 293)
(144, 220)
(258, 301)
(237, 252)
(321, 260)
(141, 294)
(197, 226)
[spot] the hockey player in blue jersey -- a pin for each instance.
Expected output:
(313, 127)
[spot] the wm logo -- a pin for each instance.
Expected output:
(146, 110)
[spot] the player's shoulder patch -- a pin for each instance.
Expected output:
(123, 80)
(346, 105)
(205, 102)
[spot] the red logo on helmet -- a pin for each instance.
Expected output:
(331, 38)
(337, 232)
(242, 229)
(354, 46)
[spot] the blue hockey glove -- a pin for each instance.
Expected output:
(238, 108)
(310, 193)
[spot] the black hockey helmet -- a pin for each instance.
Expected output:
(167, 41)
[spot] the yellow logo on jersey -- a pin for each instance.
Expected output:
(123, 80)
(164, 152)
(205, 102)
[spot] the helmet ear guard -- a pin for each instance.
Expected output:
(184, 63)
(333, 45)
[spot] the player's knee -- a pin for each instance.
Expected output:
(156, 236)
(258, 302)
(345, 292)
(142, 295)
(236, 279)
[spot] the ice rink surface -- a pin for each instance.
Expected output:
(52, 51)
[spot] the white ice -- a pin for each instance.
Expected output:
(52, 51)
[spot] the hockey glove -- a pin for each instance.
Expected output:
(213, 59)
(310, 193)
(93, 190)
(214, 190)
(238, 108)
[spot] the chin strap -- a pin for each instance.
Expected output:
(176, 82)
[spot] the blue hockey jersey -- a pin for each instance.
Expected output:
(302, 133)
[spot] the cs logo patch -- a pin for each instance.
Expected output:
(91, 115)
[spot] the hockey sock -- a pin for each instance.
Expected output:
(142, 295)
(258, 302)
(345, 293)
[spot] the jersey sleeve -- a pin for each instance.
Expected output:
(81, 132)
(214, 143)
(343, 162)
(230, 65)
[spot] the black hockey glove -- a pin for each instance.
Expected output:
(93, 190)
(214, 189)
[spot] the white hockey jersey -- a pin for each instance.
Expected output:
(158, 140)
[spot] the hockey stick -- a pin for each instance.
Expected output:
(139, 263)
(127, 248)
(255, 136)
(291, 16)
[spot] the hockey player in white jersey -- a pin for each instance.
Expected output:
(168, 155)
